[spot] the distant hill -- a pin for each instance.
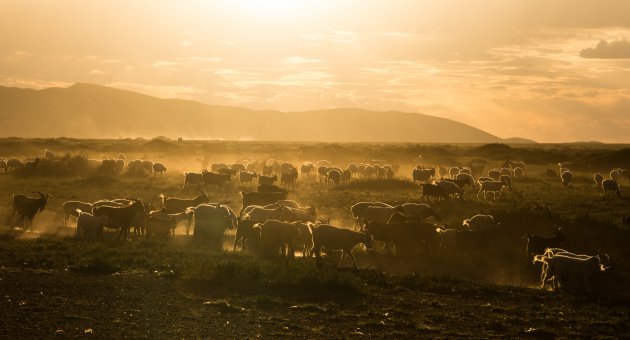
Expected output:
(94, 111)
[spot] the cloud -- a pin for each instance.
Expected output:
(616, 49)
(301, 60)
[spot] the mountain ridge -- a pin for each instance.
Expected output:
(94, 111)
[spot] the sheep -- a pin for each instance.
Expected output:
(519, 172)
(484, 179)
(215, 167)
(276, 236)
(566, 177)
(89, 227)
(267, 170)
(3, 165)
(507, 181)
(423, 175)
(369, 171)
(571, 271)
(420, 210)
(333, 176)
(491, 186)
(352, 168)
(465, 179)
(25, 208)
(261, 198)
(244, 233)
(323, 162)
(332, 238)
(192, 179)
(305, 238)
(465, 170)
(211, 221)
(70, 209)
(480, 222)
(506, 172)
(432, 190)
(135, 167)
(450, 188)
(227, 172)
(160, 226)
(247, 177)
(453, 171)
(269, 180)
(287, 179)
(212, 178)
(380, 214)
(158, 168)
(405, 236)
(260, 214)
(177, 205)
(238, 167)
(614, 175)
(358, 210)
(536, 245)
(147, 166)
(610, 185)
(121, 217)
(598, 178)
(306, 168)
(119, 165)
(495, 174)
(298, 214)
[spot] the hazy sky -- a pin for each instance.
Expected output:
(547, 70)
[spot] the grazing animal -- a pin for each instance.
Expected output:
(566, 177)
(267, 180)
(333, 238)
(307, 168)
(571, 272)
(610, 185)
(420, 211)
(278, 237)
(358, 210)
(3, 165)
(599, 179)
(480, 222)
(262, 198)
(25, 208)
(211, 221)
(405, 236)
(614, 175)
(90, 227)
(423, 175)
(380, 214)
(450, 188)
(212, 178)
(287, 179)
(245, 235)
(192, 179)
(491, 186)
(121, 217)
(432, 190)
(290, 214)
(14, 163)
(158, 168)
(536, 245)
(260, 214)
(177, 205)
(70, 209)
(333, 177)
(519, 172)
(247, 177)
(495, 174)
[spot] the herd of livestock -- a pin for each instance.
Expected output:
(272, 225)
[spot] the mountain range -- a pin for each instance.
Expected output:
(95, 111)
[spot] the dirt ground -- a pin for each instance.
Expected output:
(61, 303)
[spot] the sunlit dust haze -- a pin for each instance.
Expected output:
(550, 71)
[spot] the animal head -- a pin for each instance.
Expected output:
(43, 200)
(369, 241)
(603, 259)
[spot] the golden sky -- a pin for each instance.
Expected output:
(547, 70)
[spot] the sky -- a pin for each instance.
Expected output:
(552, 71)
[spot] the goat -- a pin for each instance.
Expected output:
(571, 271)
(192, 179)
(212, 178)
(26, 207)
(358, 210)
(89, 227)
(333, 177)
(247, 177)
(298, 214)
(333, 238)
(491, 186)
(211, 221)
(536, 245)
(423, 175)
(269, 180)
(599, 179)
(158, 168)
(261, 198)
(176, 204)
(566, 177)
(450, 188)
(244, 233)
(432, 190)
(480, 222)
(610, 185)
(121, 217)
(380, 214)
(420, 210)
(494, 174)
(405, 236)
(275, 236)
(260, 214)
(287, 179)
(70, 209)
(14, 163)
(306, 169)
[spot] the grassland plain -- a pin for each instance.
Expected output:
(53, 285)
